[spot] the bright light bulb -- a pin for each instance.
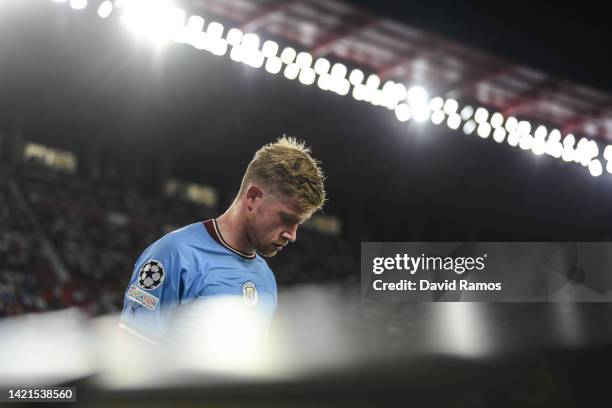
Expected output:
(481, 115)
(273, 65)
(511, 124)
(307, 76)
(78, 4)
(292, 71)
(105, 9)
(339, 70)
(288, 55)
(269, 48)
(402, 112)
(595, 168)
(356, 77)
(484, 130)
(451, 106)
(234, 37)
(499, 135)
(469, 127)
(321, 66)
(437, 117)
(454, 121)
(303, 60)
(497, 119)
(467, 112)
(436, 103)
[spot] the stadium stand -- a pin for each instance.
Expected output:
(98, 230)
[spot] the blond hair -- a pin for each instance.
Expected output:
(286, 167)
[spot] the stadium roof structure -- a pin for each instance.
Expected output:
(398, 52)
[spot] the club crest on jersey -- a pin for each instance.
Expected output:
(151, 275)
(249, 293)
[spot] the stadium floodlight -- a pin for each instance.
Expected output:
(400, 92)
(59, 1)
(303, 60)
(343, 86)
(250, 41)
(484, 129)
(436, 104)
(451, 106)
(481, 115)
(269, 48)
(189, 33)
(514, 138)
(307, 76)
(274, 65)
(358, 92)
(417, 95)
(540, 132)
(402, 112)
(250, 45)
(467, 112)
(219, 48)
(554, 135)
(324, 82)
(156, 20)
(511, 124)
(568, 155)
(609, 167)
(419, 103)
(469, 127)
(321, 66)
(338, 70)
(539, 142)
(526, 142)
(595, 168)
(524, 127)
(234, 37)
(437, 117)
(499, 135)
(608, 153)
(78, 4)
(195, 24)
(420, 113)
(105, 9)
(553, 144)
(389, 95)
(291, 71)
(497, 120)
(373, 81)
(238, 54)
(288, 55)
(215, 30)
(356, 77)
(454, 121)
(569, 141)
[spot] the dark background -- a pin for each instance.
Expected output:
(87, 85)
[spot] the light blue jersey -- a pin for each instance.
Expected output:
(189, 264)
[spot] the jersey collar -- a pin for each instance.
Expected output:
(213, 229)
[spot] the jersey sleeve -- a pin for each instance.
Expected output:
(153, 292)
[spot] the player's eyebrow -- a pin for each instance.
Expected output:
(292, 218)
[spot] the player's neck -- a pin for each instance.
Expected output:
(233, 231)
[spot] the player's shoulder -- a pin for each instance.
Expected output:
(177, 241)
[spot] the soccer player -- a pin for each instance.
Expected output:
(281, 188)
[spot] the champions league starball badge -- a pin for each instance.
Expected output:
(151, 275)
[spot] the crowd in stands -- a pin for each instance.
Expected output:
(27, 280)
(98, 230)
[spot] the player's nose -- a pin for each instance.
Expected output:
(290, 235)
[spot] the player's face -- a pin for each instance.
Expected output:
(274, 224)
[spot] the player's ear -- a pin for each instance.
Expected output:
(253, 193)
